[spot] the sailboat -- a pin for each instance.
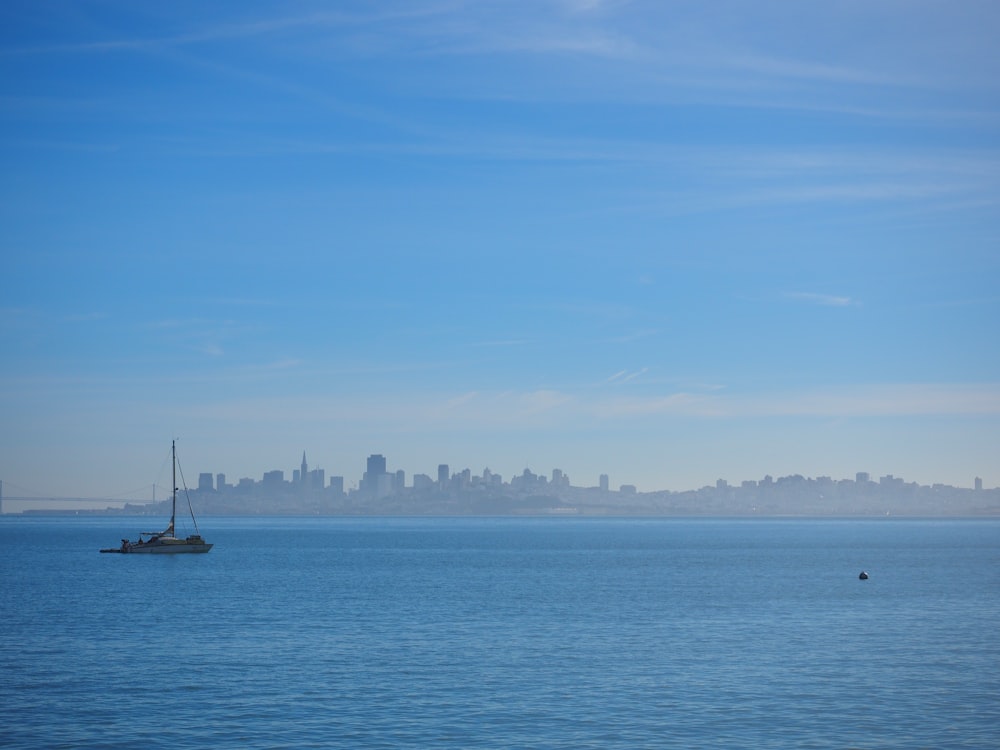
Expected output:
(164, 542)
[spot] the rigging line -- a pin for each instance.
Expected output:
(180, 470)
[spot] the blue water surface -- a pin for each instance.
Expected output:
(503, 633)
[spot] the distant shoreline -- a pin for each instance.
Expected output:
(791, 496)
(994, 515)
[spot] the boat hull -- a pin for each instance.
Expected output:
(168, 549)
(163, 546)
(174, 549)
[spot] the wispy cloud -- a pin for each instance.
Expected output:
(502, 343)
(279, 364)
(624, 376)
(811, 71)
(862, 401)
(220, 31)
(587, 43)
(464, 410)
(564, 408)
(212, 349)
(889, 400)
(826, 300)
(592, 6)
(461, 400)
(11, 317)
(626, 338)
(85, 317)
(242, 301)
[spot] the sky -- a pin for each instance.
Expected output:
(666, 241)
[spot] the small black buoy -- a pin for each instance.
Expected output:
(863, 576)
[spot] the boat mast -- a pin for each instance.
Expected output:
(173, 505)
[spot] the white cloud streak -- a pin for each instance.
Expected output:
(863, 401)
(562, 409)
(825, 300)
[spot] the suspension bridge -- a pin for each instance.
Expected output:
(15, 499)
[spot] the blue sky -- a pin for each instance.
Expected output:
(667, 241)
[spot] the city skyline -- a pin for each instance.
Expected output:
(384, 491)
(378, 464)
(664, 241)
(313, 478)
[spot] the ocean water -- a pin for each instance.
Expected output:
(503, 633)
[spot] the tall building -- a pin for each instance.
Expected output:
(317, 479)
(979, 484)
(304, 471)
(382, 485)
(373, 481)
(376, 464)
(205, 482)
(443, 475)
(604, 482)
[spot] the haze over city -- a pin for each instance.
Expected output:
(666, 242)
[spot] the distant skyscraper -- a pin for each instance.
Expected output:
(382, 485)
(273, 479)
(304, 472)
(376, 464)
(205, 482)
(374, 473)
(979, 484)
(861, 477)
(317, 479)
(443, 475)
(604, 482)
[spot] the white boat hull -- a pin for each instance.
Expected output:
(167, 549)
(162, 547)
